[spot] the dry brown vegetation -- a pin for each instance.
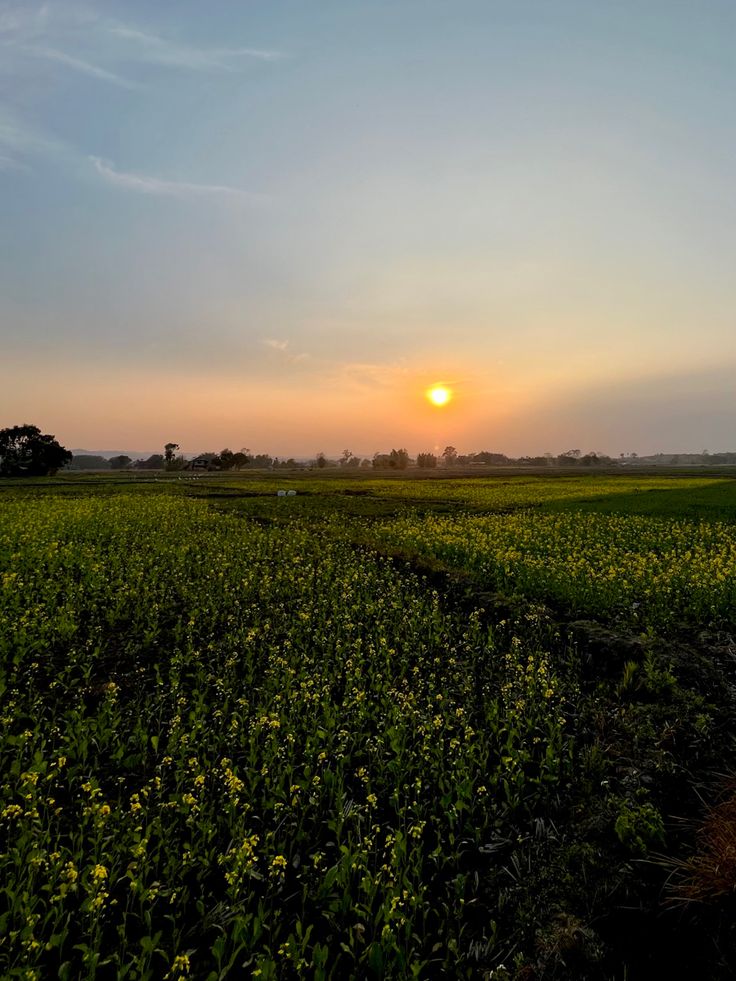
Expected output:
(709, 875)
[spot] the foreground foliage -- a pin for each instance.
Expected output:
(225, 743)
(339, 734)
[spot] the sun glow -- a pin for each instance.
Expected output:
(439, 395)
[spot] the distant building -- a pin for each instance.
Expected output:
(202, 462)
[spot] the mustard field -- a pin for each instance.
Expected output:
(383, 728)
(644, 571)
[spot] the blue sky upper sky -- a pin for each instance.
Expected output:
(273, 224)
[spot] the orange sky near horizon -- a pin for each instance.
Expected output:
(366, 408)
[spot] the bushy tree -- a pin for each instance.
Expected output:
(492, 459)
(154, 462)
(426, 461)
(399, 459)
(395, 460)
(89, 461)
(241, 458)
(568, 459)
(120, 462)
(171, 460)
(227, 459)
(27, 452)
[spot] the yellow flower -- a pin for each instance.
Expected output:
(278, 866)
(179, 966)
(99, 901)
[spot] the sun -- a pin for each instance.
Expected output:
(439, 395)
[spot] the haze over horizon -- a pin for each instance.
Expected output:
(276, 225)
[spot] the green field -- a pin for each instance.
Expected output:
(384, 728)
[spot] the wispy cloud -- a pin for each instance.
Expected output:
(25, 21)
(163, 51)
(146, 184)
(78, 65)
(365, 376)
(369, 375)
(276, 345)
(77, 37)
(18, 140)
(283, 348)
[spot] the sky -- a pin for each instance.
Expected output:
(275, 224)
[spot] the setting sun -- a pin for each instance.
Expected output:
(439, 395)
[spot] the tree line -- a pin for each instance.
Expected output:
(26, 451)
(399, 459)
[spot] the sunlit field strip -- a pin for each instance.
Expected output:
(646, 571)
(479, 492)
(227, 744)
(499, 492)
(708, 497)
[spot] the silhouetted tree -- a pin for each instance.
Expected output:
(426, 460)
(89, 461)
(27, 452)
(154, 462)
(492, 459)
(449, 455)
(120, 462)
(171, 460)
(241, 459)
(398, 459)
(569, 458)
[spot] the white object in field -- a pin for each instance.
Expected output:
(290, 493)
(280, 493)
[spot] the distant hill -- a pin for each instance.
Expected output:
(107, 454)
(685, 459)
